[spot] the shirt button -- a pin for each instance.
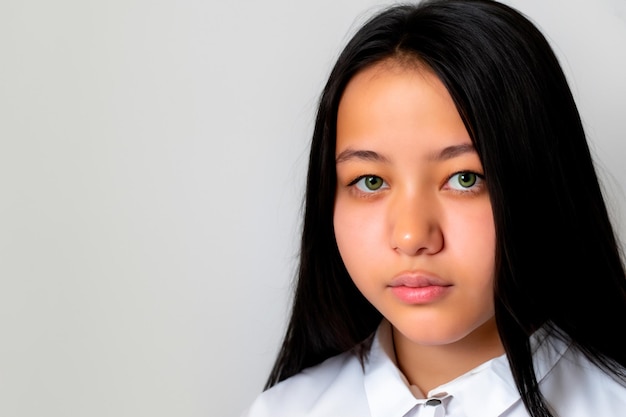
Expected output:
(433, 408)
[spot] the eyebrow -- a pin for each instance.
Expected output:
(453, 151)
(446, 153)
(363, 155)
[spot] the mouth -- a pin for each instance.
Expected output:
(419, 288)
(418, 280)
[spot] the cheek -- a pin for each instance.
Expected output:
(358, 234)
(471, 239)
(346, 232)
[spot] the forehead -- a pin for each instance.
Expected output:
(399, 65)
(393, 101)
(394, 80)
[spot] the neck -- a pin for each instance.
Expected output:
(428, 366)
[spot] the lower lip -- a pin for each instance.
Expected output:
(419, 295)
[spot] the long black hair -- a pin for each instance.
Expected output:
(558, 263)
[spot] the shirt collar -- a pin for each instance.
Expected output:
(387, 391)
(487, 390)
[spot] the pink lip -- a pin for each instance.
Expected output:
(418, 288)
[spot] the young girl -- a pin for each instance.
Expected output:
(457, 257)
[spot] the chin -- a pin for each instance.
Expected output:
(434, 333)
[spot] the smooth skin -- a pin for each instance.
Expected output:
(412, 209)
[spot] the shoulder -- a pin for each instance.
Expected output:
(331, 385)
(577, 387)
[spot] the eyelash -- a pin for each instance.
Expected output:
(475, 188)
(366, 194)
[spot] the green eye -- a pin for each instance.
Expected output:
(369, 183)
(467, 179)
(373, 183)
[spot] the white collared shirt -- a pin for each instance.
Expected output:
(341, 387)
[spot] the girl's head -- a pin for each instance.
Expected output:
(540, 225)
(412, 215)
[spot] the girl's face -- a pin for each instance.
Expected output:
(412, 217)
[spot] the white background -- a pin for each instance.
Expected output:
(152, 163)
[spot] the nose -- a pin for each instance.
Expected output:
(415, 226)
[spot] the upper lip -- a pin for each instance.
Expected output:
(417, 279)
